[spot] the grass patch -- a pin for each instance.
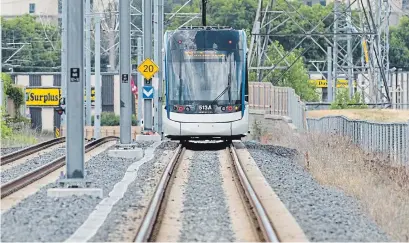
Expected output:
(24, 137)
(378, 115)
(382, 189)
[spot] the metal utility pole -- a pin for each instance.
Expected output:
(160, 63)
(329, 74)
(140, 83)
(335, 53)
(204, 2)
(155, 58)
(125, 71)
(1, 69)
(98, 97)
(147, 53)
(349, 51)
(75, 90)
(64, 70)
(88, 61)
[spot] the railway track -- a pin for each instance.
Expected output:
(9, 158)
(151, 223)
(34, 175)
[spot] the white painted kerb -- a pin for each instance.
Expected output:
(95, 220)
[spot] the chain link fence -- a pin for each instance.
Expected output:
(391, 139)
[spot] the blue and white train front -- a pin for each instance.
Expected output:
(206, 85)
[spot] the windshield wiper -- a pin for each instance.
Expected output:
(228, 87)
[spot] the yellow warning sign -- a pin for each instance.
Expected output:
(148, 68)
(57, 132)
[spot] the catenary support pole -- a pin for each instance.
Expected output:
(335, 51)
(1, 69)
(88, 61)
(125, 71)
(155, 58)
(140, 83)
(161, 68)
(329, 74)
(64, 70)
(147, 53)
(75, 90)
(349, 52)
(98, 97)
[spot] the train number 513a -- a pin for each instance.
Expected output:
(148, 68)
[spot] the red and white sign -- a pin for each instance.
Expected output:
(134, 89)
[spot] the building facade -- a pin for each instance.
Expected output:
(45, 10)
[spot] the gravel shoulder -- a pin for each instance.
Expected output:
(46, 219)
(122, 221)
(324, 213)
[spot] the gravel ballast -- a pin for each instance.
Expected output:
(31, 164)
(205, 215)
(42, 218)
(10, 150)
(324, 213)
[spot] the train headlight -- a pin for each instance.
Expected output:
(175, 107)
(223, 108)
(187, 108)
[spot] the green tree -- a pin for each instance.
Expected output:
(14, 93)
(43, 48)
(295, 76)
(399, 44)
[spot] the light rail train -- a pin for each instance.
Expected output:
(206, 79)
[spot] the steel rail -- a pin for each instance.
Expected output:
(8, 158)
(146, 227)
(262, 218)
(34, 175)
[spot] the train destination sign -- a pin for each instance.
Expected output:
(200, 55)
(148, 68)
(48, 96)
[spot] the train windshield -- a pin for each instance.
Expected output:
(205, 67)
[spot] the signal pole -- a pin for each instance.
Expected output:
(140, 84)
(64, 70)
(155, 58)
(88, 62)
(98, 108)
(75, 90)
(125, 71)
(160, 63)
(147, 53)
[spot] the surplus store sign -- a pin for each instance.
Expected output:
(48, 96)
(42, 96)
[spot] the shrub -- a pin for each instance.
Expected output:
(110, 119)
(14, 93)
(6, 131)
(342, 100)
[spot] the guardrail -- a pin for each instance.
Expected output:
(277, 101)
(391, 139)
